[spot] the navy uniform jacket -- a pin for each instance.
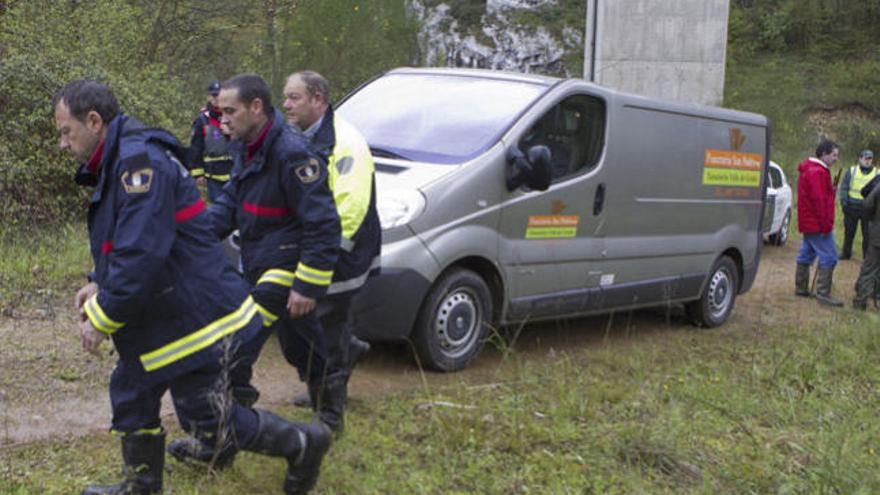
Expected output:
(166, 294)
(284, 210)
(353, 182)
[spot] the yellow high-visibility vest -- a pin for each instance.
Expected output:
(350, 170)
(858, 180)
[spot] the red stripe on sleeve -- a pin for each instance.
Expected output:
(106, 247)
(265, 211)
(190, 211)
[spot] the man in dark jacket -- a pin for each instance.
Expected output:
(850, 194)
(209, 158)
(352, 180)
(162, 291)
(279, 199)
(816, 223)
(866, 284)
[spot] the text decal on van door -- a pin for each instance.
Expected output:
(552, 226)
(732, 168)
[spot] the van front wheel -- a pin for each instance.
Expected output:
(453, 321)
(716, 302)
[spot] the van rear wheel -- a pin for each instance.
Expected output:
(453, 321)
(716, 303)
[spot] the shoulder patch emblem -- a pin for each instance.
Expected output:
(309, 172)
(137, 182)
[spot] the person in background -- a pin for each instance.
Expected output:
(867, 283)
(209, 159)
(816, 223)
(851, 200)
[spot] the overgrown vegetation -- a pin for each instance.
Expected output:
(158, 57)
(811, 66)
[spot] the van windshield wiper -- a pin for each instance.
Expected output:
(386, 153)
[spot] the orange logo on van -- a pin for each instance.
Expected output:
(557, 206)
(737, 139)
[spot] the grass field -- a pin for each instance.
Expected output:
(775, 409)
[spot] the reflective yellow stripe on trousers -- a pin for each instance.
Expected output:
(202, 338)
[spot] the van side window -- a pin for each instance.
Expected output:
(574, 131)
(775, 178)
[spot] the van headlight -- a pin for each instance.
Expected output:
(398, 207)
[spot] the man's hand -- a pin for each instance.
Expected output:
(298, 304)
(201, 181)
(82, 296)
(90, 337)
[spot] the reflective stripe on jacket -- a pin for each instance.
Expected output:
(167, 295)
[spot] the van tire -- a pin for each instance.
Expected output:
(446, 345)
(716, 302)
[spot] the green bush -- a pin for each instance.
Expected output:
(45, 45)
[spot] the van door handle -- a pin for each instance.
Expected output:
(599, 200)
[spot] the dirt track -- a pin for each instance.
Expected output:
(49, 388)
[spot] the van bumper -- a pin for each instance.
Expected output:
(387, 306)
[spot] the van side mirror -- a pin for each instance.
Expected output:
(532, 170)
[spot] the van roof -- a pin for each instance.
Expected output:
(625, 98)
(480, 73)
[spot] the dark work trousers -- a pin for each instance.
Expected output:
(301, 339)
(852, 216)
(195, 397)
(332, 315)
(866, 284)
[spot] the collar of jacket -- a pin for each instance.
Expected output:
(121, 123)
(239, 149)
(324, 139)
(820, 162)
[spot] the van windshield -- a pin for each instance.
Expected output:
(436, 118)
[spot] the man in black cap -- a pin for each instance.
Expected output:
(209, 158)
(852, 203)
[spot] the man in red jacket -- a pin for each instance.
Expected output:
(816, 223)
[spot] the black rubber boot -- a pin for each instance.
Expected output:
(303, 444)
(303, 399)
(802, 281)
(357, 349)
(823, 288)
(331, 403)
(193, 451)
(246, 395)
(143, 456)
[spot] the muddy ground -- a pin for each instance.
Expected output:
(50, 388)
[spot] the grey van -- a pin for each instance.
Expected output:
(507, 198)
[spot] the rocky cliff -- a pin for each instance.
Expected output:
(532, 36)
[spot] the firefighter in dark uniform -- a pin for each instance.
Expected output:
(158, 290)
(209, 158)
(352, 180)
(280, 201)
